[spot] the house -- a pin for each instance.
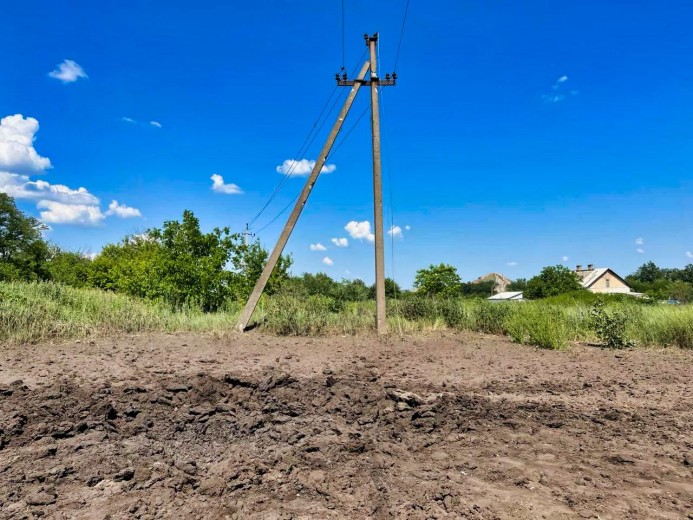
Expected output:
(602, 280)
(501, 282)
(508, 296)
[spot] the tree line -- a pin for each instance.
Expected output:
(181, 265)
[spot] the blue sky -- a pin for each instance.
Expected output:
(520, 134)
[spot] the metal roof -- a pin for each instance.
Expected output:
(508, 295)
(589, 277)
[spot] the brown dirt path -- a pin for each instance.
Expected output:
(254, 426)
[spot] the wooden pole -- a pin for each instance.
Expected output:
(298, 208)
(380, 308)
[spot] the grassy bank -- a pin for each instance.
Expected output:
(36, 312)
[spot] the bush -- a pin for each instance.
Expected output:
(490, 317)
(416, 308)
(609, 325)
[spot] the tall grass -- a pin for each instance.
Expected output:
(41, 311)
(32, 312)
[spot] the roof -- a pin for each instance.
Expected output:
(496, 277)
(589, 277)
(508, 295)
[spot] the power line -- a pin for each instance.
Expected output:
(332, 153)
(348, 132)
(401, 34)
(343, 44)
(304, 148)
(291, 169)
(388, 173)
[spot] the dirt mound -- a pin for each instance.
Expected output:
(349, 442)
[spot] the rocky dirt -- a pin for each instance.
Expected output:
(445, 426)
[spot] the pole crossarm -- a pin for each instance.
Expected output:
(300, 203)
(388, 82)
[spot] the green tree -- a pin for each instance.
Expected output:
(438, 281)
(23, 252)
(392, 289)
(552, 281)
(353, 290)
(478, 289)
(183, 266)
(681, 291)
(69, 268)
(648, 272)
(518, 285)
(248, 262)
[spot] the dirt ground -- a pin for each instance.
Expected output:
(253, 426)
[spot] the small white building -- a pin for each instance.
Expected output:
(507, 296)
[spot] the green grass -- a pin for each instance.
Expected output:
(45, 311)
(31, 312)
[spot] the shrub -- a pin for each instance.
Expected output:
(490, 317)
(609, 325)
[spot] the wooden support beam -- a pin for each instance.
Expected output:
(298, 208)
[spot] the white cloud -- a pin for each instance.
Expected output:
(122, 211)
(20, 187)
(407, 227)
(128, 120)
(511, 264)
(689, 254)
(60, 204)
(559, 93)
(360, 230)
(640, 250)
(396, 232)
(68, 71)
(318, 247)
(59, 213)
(327, 261)
(552, 98)
(156, 124)
(219, 186)
(564, 258)
(639, 241)
(340, 242)
(17, 153)
(294, 168)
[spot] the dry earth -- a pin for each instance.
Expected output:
(253, 426)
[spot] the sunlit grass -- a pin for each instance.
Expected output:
(44, 311)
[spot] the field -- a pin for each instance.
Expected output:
(435, 425)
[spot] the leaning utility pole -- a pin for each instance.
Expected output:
(381, 320)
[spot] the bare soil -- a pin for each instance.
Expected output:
(253, 426)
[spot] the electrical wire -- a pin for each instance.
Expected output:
(309, 142)
(401, 34)
(332, 153)
(388, 174)
(301, 151)
(343, 40)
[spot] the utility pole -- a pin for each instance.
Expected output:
(380, 310)
(342, 81)
(247, 234)
(298, 208)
